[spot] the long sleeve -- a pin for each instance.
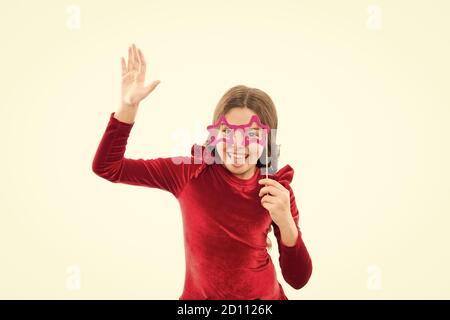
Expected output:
(170, 174)
(295, 261)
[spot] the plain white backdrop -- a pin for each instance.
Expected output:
(361, 89)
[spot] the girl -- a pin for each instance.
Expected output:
(227, 206)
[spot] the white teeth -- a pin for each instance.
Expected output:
(237, 157)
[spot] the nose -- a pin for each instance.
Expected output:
(238, 145)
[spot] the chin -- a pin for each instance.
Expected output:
(239, 170)
(246, 165)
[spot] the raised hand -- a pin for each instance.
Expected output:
(133, 77)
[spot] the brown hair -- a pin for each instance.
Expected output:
(241, 96)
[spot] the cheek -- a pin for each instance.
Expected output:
(255, 150)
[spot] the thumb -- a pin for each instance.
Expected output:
(151, 87)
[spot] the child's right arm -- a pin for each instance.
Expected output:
(109, 161)
(170, 174)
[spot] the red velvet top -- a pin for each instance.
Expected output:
(224, 224)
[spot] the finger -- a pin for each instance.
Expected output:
(270, 189)
(268, 206)
(130, 59)
(138, 58)
(142, 67)
(271, 182)
(135, 59)
(151, 87)
(124, 66)
(269, 199)
(142, 61)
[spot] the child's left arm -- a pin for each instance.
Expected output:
(295, 261)
(278, 198)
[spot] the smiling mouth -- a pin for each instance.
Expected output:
(237, 157)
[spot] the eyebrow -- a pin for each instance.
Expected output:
(225, 126)
(254, 128)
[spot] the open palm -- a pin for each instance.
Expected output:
(133, 77)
